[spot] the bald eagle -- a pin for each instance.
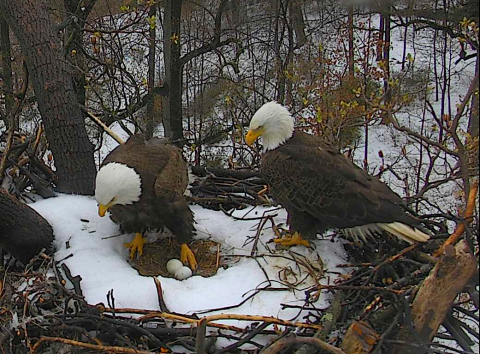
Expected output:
(141, 183)
(321, 188)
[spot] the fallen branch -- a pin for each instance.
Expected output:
(436, 295)
(210, 319)
(97, 347)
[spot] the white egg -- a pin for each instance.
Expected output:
(173, 265)
(183, 273)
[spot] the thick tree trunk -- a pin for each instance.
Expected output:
(62, 117)
(172, 107)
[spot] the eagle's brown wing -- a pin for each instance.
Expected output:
(160, 164)
(310, 177)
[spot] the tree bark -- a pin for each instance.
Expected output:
(172, 107)
(6, 74)
(57, 103)
(351, 58)
(151, 72)
(473, 121)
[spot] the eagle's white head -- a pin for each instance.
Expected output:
(116, 183)
(273, 122)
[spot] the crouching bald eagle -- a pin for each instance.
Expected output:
(141, 183)
(321, 188)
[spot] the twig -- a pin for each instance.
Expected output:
(244, 340)
(257, 234)
(6, 152)
(360, 287)
(75, 280)
(161, 302)
(397, 256)
(97, 347)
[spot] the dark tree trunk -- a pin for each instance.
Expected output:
(74, 43)
(386, 57)
(351, 58)
(172, 108)
(380, 38)
(52, 83)
(151, 73)
(473, 118)
(298, 22)
(6, 65)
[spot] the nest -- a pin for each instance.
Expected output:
(156, 255)
(377, 306)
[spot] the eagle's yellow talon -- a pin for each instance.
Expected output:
(187, 256)
(294, 240)
(136, 245)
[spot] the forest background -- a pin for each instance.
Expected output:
(394, 84)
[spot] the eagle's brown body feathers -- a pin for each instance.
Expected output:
(322, 189)
(164, 178)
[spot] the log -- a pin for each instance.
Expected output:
(23, 232)
(436, 295)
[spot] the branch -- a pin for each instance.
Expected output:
(461, 226)
(96, 347)
(104, 126)
(215, 43)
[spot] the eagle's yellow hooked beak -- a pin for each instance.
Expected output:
(102, 209)
(253, 135)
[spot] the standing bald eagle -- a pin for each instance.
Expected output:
(141, 183)
(320, 187)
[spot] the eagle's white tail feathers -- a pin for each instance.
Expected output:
(402, 231)
(405, 232)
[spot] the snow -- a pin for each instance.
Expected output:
(84, 242)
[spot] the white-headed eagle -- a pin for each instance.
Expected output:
(321, 188)
(141, 183)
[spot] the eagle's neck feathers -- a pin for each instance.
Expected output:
(277, 122)
(118, 182)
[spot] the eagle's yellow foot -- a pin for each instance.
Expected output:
(187, 256)
(295, 239)
(136, 245)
